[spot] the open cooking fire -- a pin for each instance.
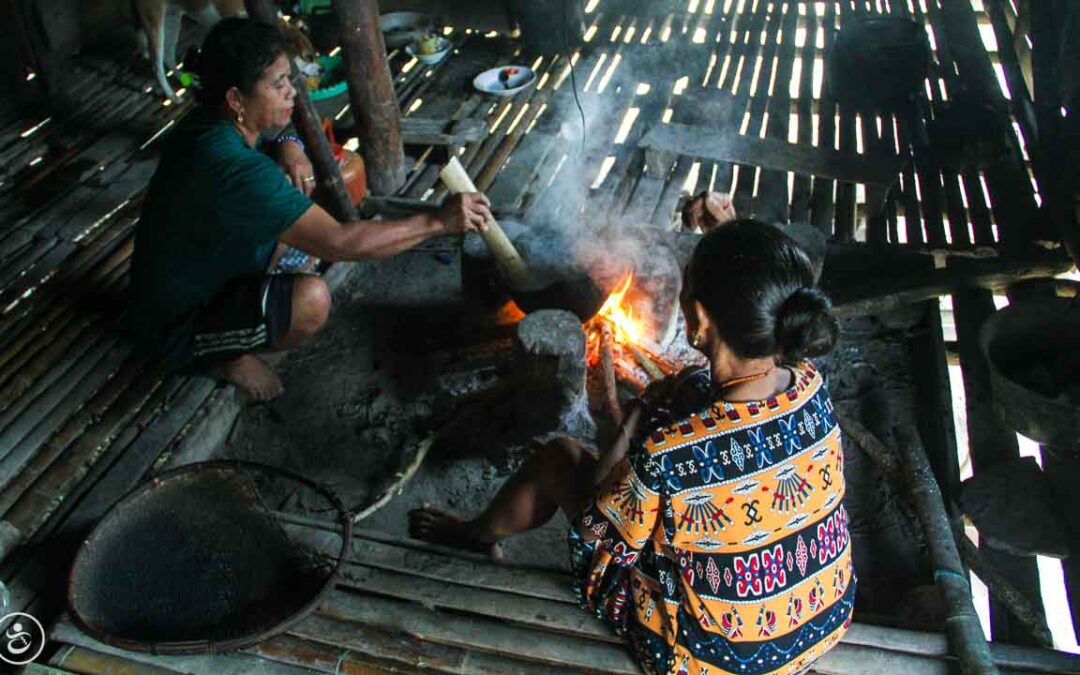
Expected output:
(618, 342)
(620, 348)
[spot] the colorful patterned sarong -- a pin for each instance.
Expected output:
(720, 544)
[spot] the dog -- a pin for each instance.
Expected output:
(160, 22)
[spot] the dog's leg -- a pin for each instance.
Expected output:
(152, 18)
(157, 42)
(207, 16)
(174, 18)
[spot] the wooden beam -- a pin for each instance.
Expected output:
(424, 131)
(771, 153)
(371, 93)
(905, 284)
(1051, 156)
(989, 442)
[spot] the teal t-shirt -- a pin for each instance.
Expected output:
(213, 213)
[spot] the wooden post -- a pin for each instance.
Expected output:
(990, 442)
(1051, 156)
(309, 126)
(934, 399)
(371, 94)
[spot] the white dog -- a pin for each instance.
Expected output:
(160, 22)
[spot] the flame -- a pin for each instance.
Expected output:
(621, 315)
(509, 314)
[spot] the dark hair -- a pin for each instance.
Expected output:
(758, 288)
(234, 54)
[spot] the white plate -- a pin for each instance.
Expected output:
(445, 46)
(489, 83)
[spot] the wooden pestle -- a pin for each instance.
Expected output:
(506, 256)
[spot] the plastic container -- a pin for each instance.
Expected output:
(353, 170)
(331, 67)
(314, 6)
(330, 100)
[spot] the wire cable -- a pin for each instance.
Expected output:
(573, 75)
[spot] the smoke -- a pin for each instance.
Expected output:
(571, 222)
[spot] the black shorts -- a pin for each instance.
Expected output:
(247, 316)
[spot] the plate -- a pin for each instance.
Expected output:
(445, 46)
(515, 80)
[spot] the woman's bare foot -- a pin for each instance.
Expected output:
(253, 376)
(439, 527)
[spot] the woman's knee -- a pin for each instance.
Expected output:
(311, 304)
(562, 456)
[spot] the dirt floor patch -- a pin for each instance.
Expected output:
(368, 391)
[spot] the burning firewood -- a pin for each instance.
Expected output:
(607, 366)
(650, 366)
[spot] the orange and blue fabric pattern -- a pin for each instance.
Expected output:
(720, 543)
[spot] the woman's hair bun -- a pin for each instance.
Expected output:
(804, 325)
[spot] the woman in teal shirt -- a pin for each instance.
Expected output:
(218, 208)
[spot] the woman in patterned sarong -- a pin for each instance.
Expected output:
(712, 534)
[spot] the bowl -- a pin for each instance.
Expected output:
(401, 28)
(1032, 350)
(331, 67)
(444, 48)
(505, 81)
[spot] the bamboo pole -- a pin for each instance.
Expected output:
(1000, 587)
(371, 94)
(56, 482)
(507, 257)
(962, 625)
(309, 126)
(72, 430)
(491, 169)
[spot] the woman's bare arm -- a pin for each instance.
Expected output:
(320, 234)
(614, 453)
